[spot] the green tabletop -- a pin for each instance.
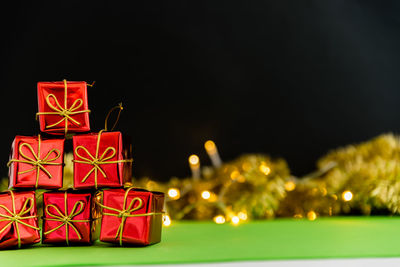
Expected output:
(193, 242)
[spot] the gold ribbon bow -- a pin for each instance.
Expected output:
(65, 112)
(65, 218)
(126, 212)
(16, 218)
(96, 161)
(36, 161)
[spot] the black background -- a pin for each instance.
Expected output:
(289, 78)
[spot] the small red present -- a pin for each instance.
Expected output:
(99, 160)
(63, 107)
(128, 216)
(66, 218)
(18, 219)
(36, 163)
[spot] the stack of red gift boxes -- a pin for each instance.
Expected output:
(100, 205)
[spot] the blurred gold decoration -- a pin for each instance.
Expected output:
(251, 186)
(357, 179)
(366, 176)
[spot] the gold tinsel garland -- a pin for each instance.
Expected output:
(357, 179)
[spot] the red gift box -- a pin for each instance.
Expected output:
(63, 107)
(99, 161)
(36, 163)
(128, 216)
(18, 219)
(66, 217)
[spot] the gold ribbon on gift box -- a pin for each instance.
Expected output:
(16, 218)
(96, 160)
(65, 112)
(65, 218)
(126, 212)
(36, 161)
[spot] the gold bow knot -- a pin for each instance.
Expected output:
(65, 112)
(16, 218)
(65, 218)
(95, 160)
(126, 212)
(35, 160)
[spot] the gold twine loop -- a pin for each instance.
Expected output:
(16, 218)
(120, 108)
(65, 218)
(126, 212)
(95, 160)
(36, 161)
(65, 112)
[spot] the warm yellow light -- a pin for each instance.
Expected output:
(210, 146)
(290, 186)
(264, 169)
(219, 219)
(167, 220)
(235, 175)
(246, 166)
(347, 195)
(205, 194)
(241, 179)
(242, 215)
(194, 160)
(174, 193)
(235, 220)
(311, 215)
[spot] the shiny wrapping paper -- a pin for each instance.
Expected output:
(77, 103)
(78, 214)
(141, 230)
(111, 157)
(19, 174)
(24, 208)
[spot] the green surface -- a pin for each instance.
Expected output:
(188, 242)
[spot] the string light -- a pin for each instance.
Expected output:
(235, 175)
(246, 166)
(194, 159)
(212, 152)
(222, 190)
(167, 220)
(194, 164)
(242, 215)
(219, 219)
(235, 220)
(205, 194)
(347, 195)
(290, 186)
(174, 193)
(311, 215)
(264, 169)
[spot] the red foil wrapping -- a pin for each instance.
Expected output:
(100, 162)
(20, 206)
(23, 172)
(144, 229)
(72, 116)
(66, 218)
